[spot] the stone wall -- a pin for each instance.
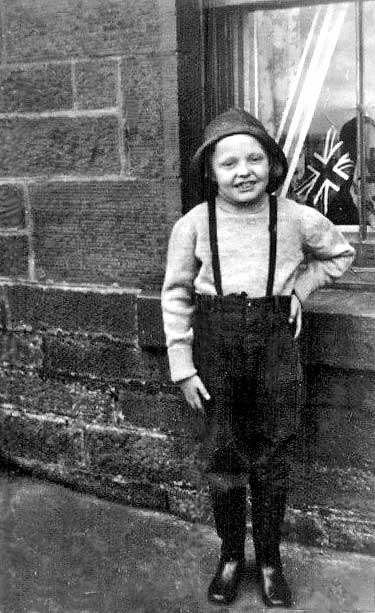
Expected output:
(89, 163)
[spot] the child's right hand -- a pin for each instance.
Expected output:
(194, 390)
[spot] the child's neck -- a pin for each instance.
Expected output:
(246, 208)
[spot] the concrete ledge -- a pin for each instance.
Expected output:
(340, 329)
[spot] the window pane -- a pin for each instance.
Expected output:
(305, 93)
(296, 69)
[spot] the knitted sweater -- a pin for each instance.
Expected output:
(304, 236)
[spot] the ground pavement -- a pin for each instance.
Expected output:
(65, 552)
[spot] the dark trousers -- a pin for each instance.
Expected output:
(248, 360)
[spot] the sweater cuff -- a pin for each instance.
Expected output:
(181, 363)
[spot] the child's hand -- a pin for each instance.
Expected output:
(296, 314)
(194, 390)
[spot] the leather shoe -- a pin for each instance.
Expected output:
(275, 590)
(223, 587)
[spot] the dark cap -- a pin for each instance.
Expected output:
(238, 121)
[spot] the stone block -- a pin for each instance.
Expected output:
(46, 30)
(340, 416)
(58, 145)
(100, 232)
(340, 329)
(36, 88)
(127, 491)
(100, 313)
(103, 359)
(153, 409)
(154, 368)
(85, 358)
(142, 94)
(96, 83)
(137, 454)
(21, 350)
(48, 441)
(343, 341)
(191, 504)
(12, 209)
(27, 391)
(150, 323)
(322, 486)
(14, 253)
(118, 27)
(43, 30)
(173, 203)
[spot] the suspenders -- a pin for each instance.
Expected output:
(273, 240)
(213, 243)
(215, 252)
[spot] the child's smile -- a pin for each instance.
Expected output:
(241, 169)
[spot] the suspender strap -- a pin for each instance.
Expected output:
(273, 245)
(213, 244)
(215, 252)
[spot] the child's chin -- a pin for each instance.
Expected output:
(246, 200)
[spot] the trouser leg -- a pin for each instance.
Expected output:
(269, 488)
(268, 511)
(229, 508)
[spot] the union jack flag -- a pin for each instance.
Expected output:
(328, 173)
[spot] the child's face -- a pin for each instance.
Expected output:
(241, 169)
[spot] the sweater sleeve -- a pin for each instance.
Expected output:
(177, 299)
(328, 253)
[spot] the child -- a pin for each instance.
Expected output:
(231, 303)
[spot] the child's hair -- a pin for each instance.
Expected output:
(238, 121)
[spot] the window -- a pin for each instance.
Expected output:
(306, 72)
